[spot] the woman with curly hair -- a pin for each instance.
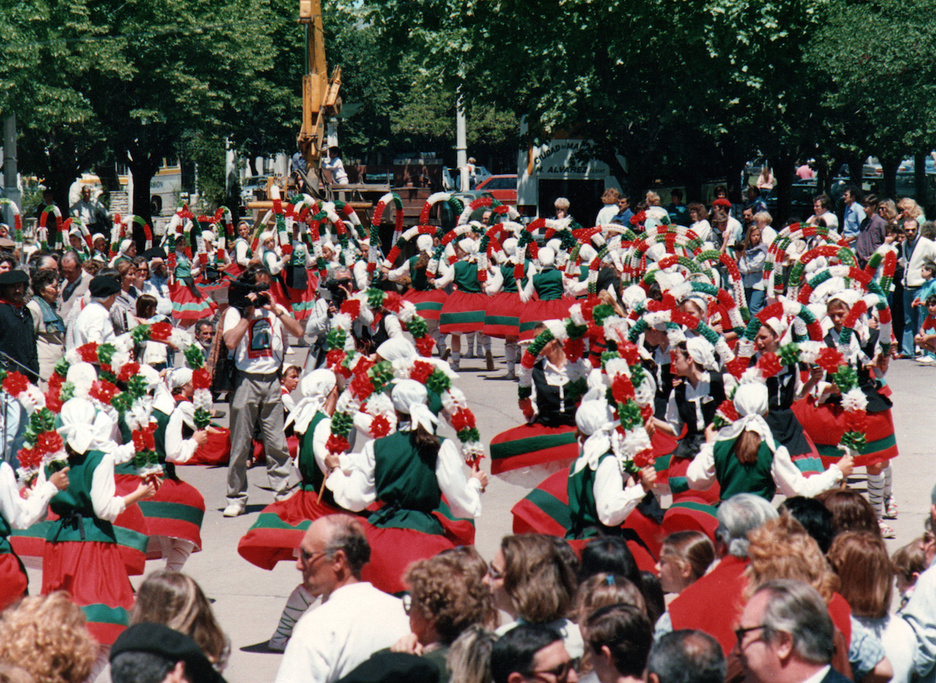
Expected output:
(48, 637)
(447, 595)
(176, 600)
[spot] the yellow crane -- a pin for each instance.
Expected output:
(320, 95)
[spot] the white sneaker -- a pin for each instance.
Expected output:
(234, 509)
(926, 360)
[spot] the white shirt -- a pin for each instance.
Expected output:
(613, 501)
(923, 250)
(104, 499)
(93, 324)
(19, 512)
(606, 215)
(355, 487)
(789, 479)
(179, 450)
(327, 643)
(261, 349)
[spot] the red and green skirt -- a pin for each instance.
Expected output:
(393, 550)
(187, 306)
(280, 527)
(130, 529)
(545, 510)
(94, 574)
(463, 312)
(825, 425)
(502, 317)
(13, 580)
(531, 445)
(176, 510)
(216, 451)
(428, 304)
(535, 312)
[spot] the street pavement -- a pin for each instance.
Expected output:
(248, 600)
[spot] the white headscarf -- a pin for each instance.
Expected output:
(179, 378)
(315, 388)
(546, 256)
(777, 325)
(751, 402)
(397, 349)
(83, 425)
(596, 420)
(510, 246)
(125, 246)
(409, 397)
(702, 353)
(468, 246)
(424, 242)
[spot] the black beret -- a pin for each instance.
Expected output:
(161, 640)
(103, 286)
(155, 252)
(390, 667)
(14, 277)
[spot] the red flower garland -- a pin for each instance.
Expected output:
(103, 391)
(15, 383)
(769, 364)
(88, 352)
(128, 371)
(380, 426)
(830, 359)
(421, 371)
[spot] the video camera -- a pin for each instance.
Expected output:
(333, 292)
(238, 299)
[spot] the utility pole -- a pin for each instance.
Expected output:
(10, 170)
(461, 143)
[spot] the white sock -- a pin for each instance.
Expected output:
(876, 493)
(179, 552)
(485, 342)
(296, 606)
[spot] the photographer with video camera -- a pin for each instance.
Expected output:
(255, 329)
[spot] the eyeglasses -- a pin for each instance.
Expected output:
(495, 573)
(308, 559)
(560, 673)
(741, 632)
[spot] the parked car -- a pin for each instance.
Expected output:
(450, 177)
(252, 189)
(503, 187)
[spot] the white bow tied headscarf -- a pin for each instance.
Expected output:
(596, 420)
(424, 243)
(125, 246)
(468, 246)
(83, 425)
(179, 378)
(409, 397)
(397, 349)
(315, 388)
(750, 400)
(702, 353)
(546, 256)
(82, 376)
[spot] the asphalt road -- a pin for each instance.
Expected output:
(248, 600)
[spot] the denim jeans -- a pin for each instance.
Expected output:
(911, 321)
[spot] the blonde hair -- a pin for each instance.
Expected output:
(781, 549)
(48, 637)
(911, 207)
(175, 600)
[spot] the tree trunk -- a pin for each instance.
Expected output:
(142, 168)
(783, 175)
(889, 165)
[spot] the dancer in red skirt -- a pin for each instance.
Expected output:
(502, 317)
(422, 294)
(550, 304)
(81, 554)
(188, 303)
(17, 512)
(547, 441)
(823, 418)
(464, 309)
(408, 472)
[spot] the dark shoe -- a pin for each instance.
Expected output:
(445, 354)
(489, 359)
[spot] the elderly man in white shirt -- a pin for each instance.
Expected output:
(355, 619)
(94, 324)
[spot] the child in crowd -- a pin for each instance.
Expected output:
(909, 562)
(926, 338)
(928, 271)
